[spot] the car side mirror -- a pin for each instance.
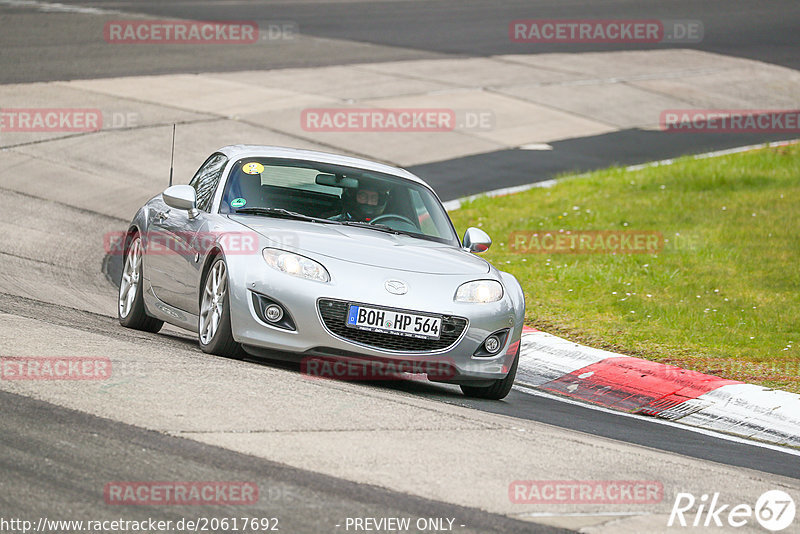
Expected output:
(181, 197)
(476, 240)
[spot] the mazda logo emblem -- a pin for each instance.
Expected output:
(396, 287)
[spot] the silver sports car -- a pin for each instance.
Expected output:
(286, 253)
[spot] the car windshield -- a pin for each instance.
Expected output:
(265, 187)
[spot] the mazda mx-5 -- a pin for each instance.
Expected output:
(279, 252)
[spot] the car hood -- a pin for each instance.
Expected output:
(366, 247)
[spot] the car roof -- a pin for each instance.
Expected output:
(266, 151)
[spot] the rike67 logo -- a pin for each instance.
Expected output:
(774, 510)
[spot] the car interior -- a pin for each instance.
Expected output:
(307, 201)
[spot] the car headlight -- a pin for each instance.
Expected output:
(295, 265)
(479, 291)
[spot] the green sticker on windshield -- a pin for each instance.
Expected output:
(238, 202)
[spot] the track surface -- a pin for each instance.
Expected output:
(374, 31)
(70, 46)
(48, 448)
(64, 488)
(518, 404)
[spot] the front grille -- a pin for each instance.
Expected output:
(334, 315)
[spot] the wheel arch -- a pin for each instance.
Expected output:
(211, 257)
(133, 230)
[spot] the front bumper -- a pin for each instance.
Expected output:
(428, 294)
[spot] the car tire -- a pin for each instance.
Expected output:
(130, 302)
(496, 391)
(215, 307)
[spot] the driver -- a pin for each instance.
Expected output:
(363, 203)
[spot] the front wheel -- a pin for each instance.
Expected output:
(496, 391)
(215, 333)
(130, 304)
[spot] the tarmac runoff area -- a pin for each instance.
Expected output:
(68, 189)
(454, 107)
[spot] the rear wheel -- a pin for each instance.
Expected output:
(214, 328)
(130, 305)
(496, 391)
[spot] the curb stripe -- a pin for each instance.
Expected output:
(544, 358)
(635, 385)
(632, 385)
(754, 411)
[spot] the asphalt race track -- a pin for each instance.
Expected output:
(382, 30)
(304, 501)
(320, 451)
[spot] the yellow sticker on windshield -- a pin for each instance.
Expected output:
(253, 167)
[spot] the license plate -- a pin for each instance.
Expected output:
(394, 322)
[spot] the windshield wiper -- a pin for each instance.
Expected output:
(379, 227)
(280, 212)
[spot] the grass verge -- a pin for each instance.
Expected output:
(721, 292)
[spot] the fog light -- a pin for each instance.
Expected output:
(273, 313)
(492, 344)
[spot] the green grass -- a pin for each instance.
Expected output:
(722, 296)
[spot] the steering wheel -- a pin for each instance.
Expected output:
(380, 218)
